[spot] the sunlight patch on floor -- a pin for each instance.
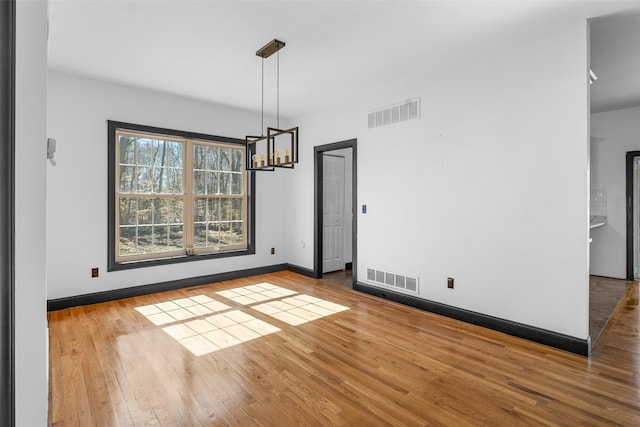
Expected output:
(202, 336)
(181, 309)
(255, 293)
(299, 309)
(204, 325)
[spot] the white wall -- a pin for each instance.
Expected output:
(31, 395)
(613, 133)
(488, 187)
(78, 111)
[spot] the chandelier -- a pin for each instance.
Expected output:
(279, 147)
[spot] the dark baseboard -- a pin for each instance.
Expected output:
(301, 270)
(97, 297)
(543, 336)
(609, 277)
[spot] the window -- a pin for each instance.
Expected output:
(176, 196)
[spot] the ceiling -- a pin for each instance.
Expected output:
(615, 58)
(336, 50)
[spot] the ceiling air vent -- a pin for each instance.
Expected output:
(394, 280)
(407, 110)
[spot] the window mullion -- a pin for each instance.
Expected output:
(245, 198)
(189, 239)
(116, 235)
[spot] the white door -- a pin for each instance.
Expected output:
(333, 213)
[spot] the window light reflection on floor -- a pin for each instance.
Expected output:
(181, 309)
(202, 336)
(204, 325)
(295, 310)
(256, 293)
(299, 309)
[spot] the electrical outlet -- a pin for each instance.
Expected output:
(273, 251)
(95, 272)
(450, 282)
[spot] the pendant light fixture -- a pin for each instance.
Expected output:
(279, 147)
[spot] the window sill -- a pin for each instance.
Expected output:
(128, 265)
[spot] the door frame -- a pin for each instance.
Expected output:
(318, 153)
(7, 211)
(630, 213)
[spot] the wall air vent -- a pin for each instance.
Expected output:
(394, 280)
(407, 110)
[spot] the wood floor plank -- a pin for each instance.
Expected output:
(209, 358)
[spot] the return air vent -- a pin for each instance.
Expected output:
(394, 280)
(408, 110)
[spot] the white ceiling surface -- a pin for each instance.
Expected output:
(335, 50)
(615, 58)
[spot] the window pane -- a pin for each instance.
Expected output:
(236, 237)
(160, 153)
(213, 157)
(236, 164)
(236, 184)
(160, 180)
(236, 210)
(127, 240)
(175, 211)
(145, 151)
(159, 225)
(127, 150)
(199, 182)
(160, 238)
(160, 214)
(200, 210)
(225, 159)
(212, 182)
(143, 179)
(126, 179)
(225, 210)
(128, 211)
(225, 233)
(174, 154)
(213, 206)
(199, 157)
(144, 165)
(214, 234)
(225, 183)
(145, 236)
(174, 181)
(176, 239)
(200, 235)
(145, 211)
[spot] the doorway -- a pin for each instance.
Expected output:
(632, 203)
(335, 222)
(334, 212)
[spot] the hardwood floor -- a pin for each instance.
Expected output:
(604, 296)
(285, 350)
(340, 277)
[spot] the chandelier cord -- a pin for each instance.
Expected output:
(262, 115)
(278, 93)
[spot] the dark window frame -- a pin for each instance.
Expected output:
(7, 212)
(112, 264)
